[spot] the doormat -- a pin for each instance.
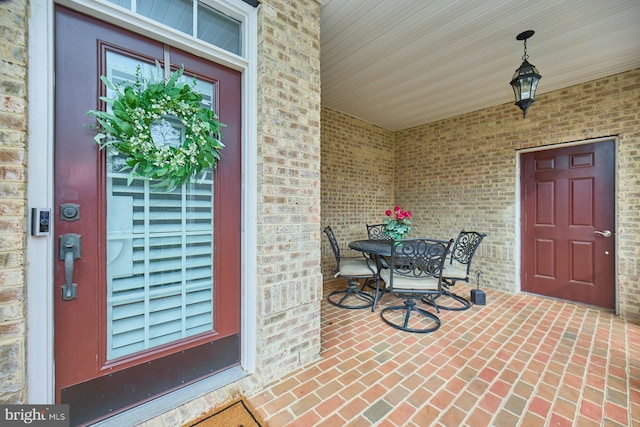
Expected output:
(236, 414)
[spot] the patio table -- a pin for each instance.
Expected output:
(377, 249)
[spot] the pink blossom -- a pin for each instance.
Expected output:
(400, 214)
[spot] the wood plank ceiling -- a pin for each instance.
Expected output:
(403, 63)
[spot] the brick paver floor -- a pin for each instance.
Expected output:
(520, 360)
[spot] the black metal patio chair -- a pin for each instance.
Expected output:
(457, 268)
(415, 275)
(353, 269)
(376, 232)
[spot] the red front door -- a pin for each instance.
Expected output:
(568, 197)
(147, 283)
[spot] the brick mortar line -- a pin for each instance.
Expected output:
(581, 398)
(534, 310)
(612, 336)
(557, 321)
(464, 326)
(495, 353)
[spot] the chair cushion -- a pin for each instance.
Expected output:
(351, 267)
(455, 271)
(403, 282)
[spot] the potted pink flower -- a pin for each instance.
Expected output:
(397, 223)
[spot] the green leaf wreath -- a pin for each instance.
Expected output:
(127, 130)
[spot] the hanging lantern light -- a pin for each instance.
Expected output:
(526, 78)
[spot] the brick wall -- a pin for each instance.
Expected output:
(13, 134)
(461, 172)
(357, 180)
(289, 277)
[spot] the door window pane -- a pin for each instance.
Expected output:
(159, 247)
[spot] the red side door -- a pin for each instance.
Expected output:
(568, 208)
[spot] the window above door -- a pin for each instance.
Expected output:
(192, 17)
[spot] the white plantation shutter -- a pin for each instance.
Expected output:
(160, 270)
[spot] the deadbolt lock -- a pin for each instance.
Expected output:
(69, 212)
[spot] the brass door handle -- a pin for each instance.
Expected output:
(605, 233)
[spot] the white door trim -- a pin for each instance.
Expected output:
(40, 368)
(40, 188)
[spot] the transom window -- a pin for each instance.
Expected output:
(192, 17)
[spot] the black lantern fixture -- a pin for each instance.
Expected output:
(526, 78)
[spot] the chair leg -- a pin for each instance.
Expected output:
(410, 308)
(465, 304)
(380, 290)
(353, 292)
(460, 302)
(370, 283)
(431, 300)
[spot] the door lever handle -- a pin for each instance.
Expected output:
(605, 233)
(70, 245)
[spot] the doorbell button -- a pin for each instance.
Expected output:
(40, 221)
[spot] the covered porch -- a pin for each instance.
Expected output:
(519, 360)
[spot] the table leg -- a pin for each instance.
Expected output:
(379, 292)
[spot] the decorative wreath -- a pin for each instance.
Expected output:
(161, 129)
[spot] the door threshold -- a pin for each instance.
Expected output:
(584, 304)
(167, 402)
